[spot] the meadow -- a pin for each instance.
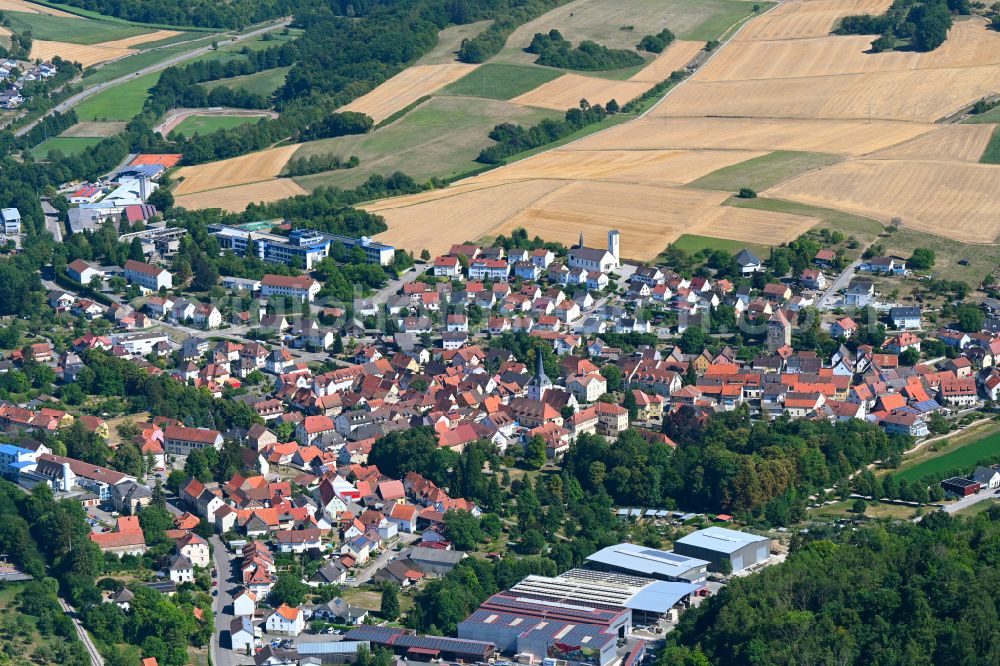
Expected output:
(965, 457)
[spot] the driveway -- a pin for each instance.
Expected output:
(966, 502)
(384, 558)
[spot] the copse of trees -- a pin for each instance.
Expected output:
(198, 13)
(303, 166)
(923, 24)
(337, 124)
(656, 43)
(883, 594)
(507, 16)
(554, 50)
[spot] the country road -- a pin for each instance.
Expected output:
(95, 657)
(73, 100)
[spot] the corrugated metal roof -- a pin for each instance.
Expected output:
(660, 596)
(332, 647)
(644, 560)
(720, 540)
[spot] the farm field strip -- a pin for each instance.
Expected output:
(938, 197)
(663, 167)
(567, 91)
(31, 8)
(406, 87)
(236, 198)
(85, 54)
(813, 18)
(263, 165)
(94, 129)
(962, 143)
(675, 57)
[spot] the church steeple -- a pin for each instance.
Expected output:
(580, 244)
(540, 383)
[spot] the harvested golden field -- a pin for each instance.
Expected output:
(847, 137)
(915, 95)
(945, 198)
(85, 54)
(407, 87)
(31, 8)
(751, 226)
(963, 143)
(653, 167)
(969, 44)
(255, 167)
(235, 199)
(434, 223)
(567, 91)
(649, 218)
(140, 39)
(675, 57)
(796, 20)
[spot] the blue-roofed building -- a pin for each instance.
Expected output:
(649, 604)
(629, 558)
(718, 544)
(139, 171)
(305, 247)
(14, 459)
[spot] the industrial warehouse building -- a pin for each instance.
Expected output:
(577, 616)
(424, 648)
(628, 558)
(717, 544)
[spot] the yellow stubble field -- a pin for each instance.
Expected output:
(567, 91)
(807, 18)
(235, 199)
(962, 143)
(675, 57)
(255, 167)
(945, 198)
(407, 87)
(31, 8)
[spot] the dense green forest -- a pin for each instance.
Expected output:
(923, 25)
(914, 595)
(554, 50)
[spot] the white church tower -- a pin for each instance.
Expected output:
(614, 245)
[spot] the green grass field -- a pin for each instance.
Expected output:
(73, 30)
(208, 124)
(691, 243)
(262, 83)
(765, 171)
(965, 457)
(501, 81)
(991, 116)
(725, 15)
(449, 41)
(277, 38)
(441, 137)
(121, 102)
(992, 153)
(954, 260)
(69, 145)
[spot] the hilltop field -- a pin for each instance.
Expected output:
(835, 128)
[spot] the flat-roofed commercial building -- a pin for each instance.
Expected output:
(629, 558)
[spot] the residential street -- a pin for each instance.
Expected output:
(827, 299)
(223, 561)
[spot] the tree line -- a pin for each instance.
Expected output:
(512, 139)
(198, 13)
